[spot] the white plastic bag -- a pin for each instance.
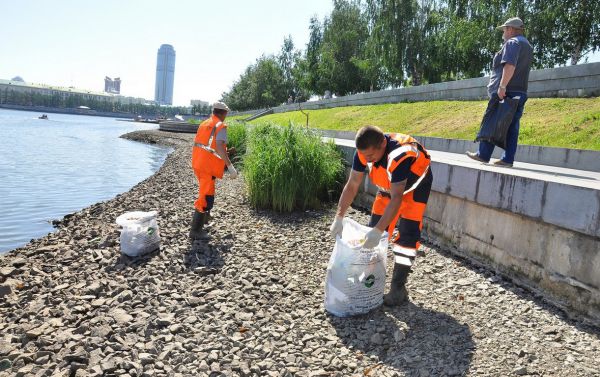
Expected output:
(355, 276)
(139, 233)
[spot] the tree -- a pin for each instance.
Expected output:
(306, 70)
(287, 58)
(261, 85)
(579, 27)
(391, 24)
(343, 50)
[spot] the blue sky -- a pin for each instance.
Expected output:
(77, 43)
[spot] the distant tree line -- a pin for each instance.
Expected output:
(374, 44)
(201, 110)
(74, 100)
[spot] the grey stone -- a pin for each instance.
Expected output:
(5, 290)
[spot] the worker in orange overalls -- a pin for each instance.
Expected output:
(400, 167)
(209, 161)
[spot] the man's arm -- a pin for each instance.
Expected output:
(222, 152)
(507, 73)
(391, 210)
(349, 192)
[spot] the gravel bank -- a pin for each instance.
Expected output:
(249, 301)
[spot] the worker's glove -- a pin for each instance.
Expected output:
(232, 172)
(372, 238)
(336, 227)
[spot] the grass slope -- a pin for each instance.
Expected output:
(556, 122)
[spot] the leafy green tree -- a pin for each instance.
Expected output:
(287, 58)
(262, 85)
(306, 70)
(343, 49)
(391, 24)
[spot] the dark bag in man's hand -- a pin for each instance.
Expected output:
(496, 120)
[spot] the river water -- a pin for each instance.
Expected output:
(50, 168)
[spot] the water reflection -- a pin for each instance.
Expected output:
(50, 168)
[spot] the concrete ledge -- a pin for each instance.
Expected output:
(177, 126)
(568, 206)
(580, 159)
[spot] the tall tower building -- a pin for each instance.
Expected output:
(112, 86)
(165, 75)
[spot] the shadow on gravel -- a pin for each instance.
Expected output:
(412, 339)
(205, 258)
(122, 261)
(287, 218)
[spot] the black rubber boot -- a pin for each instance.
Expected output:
(398, 293)
(196, 232)
(207, 217)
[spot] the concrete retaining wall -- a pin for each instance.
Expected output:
(561, 157)
(574, 81)
(543, 234)
(178, 126)
(559, 263)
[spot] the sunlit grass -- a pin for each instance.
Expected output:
(555, 122)
(289, 167)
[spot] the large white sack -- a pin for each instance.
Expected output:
(139, 233)
(355, 276)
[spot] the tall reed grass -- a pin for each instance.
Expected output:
(290, 167)
(236, 137)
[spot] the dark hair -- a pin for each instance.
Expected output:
(219, 112)
(368, 137)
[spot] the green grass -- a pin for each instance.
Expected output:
(236, 137)
(235, 118)
(555, 122)
(289, 167)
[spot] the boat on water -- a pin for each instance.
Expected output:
(43, 116)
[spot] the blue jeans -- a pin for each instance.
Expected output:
(512, 137)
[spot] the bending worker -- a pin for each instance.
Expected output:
(209, 159)
(399, 166)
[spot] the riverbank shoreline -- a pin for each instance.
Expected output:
(249, 301)
(57, 110)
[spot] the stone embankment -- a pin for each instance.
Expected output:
(250, 300)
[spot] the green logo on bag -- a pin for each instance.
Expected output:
(369, 281)
(150, 231)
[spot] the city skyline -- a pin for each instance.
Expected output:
(215, 42)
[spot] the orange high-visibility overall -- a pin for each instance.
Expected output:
(404, 159)
(207, 164)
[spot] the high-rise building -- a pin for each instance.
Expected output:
(117, 85)
(112, 86)
(165, 75)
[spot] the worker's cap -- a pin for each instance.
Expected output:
(220, 106)
(515, 22)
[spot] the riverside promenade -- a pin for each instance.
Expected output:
(249, 302)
